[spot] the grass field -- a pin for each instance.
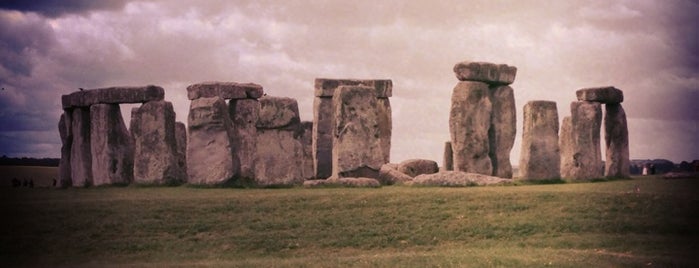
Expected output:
(646, 222)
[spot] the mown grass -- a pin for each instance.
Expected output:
(640, 222)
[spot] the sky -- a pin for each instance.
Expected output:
(648, 49)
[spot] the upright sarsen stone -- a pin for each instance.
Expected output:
(322, 139)
(448, 157)
(540, 155)
(112, 147)
(306, 133)
(383, 113)
(279, 156)
(581, 157)
(245, 114)
(616, 137)
(181, 139)
(503, 128)
(80, 151)
(210, 157)
(469, 122)
(65, 132)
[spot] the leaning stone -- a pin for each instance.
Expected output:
(326, 87)
(540, 155)
(389, 174)
(448, 157)
(469, 123)
(415, 167)
(322, 143)
(155, 154)
(616, 137)
(112, 147)
(181, 139)
(503, 129)
(210, 156)
(114, 95)
(492, 74)
(278, 112)
(356, 144)
(80, 152)
(581, 158)
(224, 90)
(609, 95)
(457, 179)
(245, 113)
(64, 130)
(279, 158)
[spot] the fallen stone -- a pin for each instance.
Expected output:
(389, 175)
(155, 154)
(114, 95)
(80, 151)
(112, 147)
(609, 95)
(64, 130)
(415, 167)
(616, 137)
(326, 87)
(181, 140)
(448, 164)
(457, 179)
(503, 129)
(224, 90)
(278, 112)
(492, 74)
(279, 158)
(210, 156)
(469, 123)
(343, 182)
(245, 114)
(581, 157)
(540, 155)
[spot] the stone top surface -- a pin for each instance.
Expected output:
(85, 98)
(325, 87)
(225, 90)
(601, 94)
(490, 73)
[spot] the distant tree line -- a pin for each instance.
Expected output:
(26, 161)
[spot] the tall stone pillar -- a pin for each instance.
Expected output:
(581, 157)
(616, 138)
(210, 158)
(540, 155)
(80, 151)
(245, 114)
(112, 147)
(65, 132)
(155, 154)
(503, 129)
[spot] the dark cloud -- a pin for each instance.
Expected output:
(22, 37)
(57, 8)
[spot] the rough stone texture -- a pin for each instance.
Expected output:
(210, 157)
(493, 74)
(356, 143)
(389, 174)
(155, 157)
(115, 95)
(415, 167)
(326, 87)
(503, 129)
(616, 137)
(224, 90)
(278, 112)
(279, 158)
(344, 182)
(469, 122)
(540, 155)
(383, 111)
(80, 152)
(64, 130)
(112, 147)
(457, 179)
(609, 95)
(322, 143)
(181, 139)
(581, 158)
(245, 114)
(306, 137)
(448, 163)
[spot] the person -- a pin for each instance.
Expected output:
(54, 182)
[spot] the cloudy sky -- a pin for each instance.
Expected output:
(649, 49)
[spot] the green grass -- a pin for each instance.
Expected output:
(559, 225)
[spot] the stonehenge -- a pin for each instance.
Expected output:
(112, 148)
(540, 154)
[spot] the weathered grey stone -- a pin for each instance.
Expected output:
(540, 155)
(383, 111)
(342, 182)
(581, 158)
(112, 147)
(306, 129)
(448, 163)
(279, 158)
(210, 156)
(278, 112)
(322, 143)
(80, 153)
(64, 130)
(610, 95)
(493, 74)
(116, 95)
(224, 90)
(503, 128)
(245, 114)
(415, 167)
(326, 87)
(469, 123)
(389, 174)
(616, 137)
(457, 179)
(181, 139)
(356, 143)
(155, 154)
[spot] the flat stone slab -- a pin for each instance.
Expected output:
(457, 179)
(224, 90)
(490, 73)
(325, 87)
(609, 95)
(113, 95)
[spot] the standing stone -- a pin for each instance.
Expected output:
(540, 155)
(64, 130)
(306, 129)
(112, 147)
(279, 155)
(616, 138)
(80, 152)
(581, 157)
(210, 158)
(155, 154)
(181, 139)
(245, 114)
(322, 137)
(383, 111)
(469, 122)
(448, 157)
(356, 144)
(503, 128)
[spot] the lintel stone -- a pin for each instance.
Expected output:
(607, 95)
(113, 95)
(224, 90)
(489, 73)
(325, 87)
